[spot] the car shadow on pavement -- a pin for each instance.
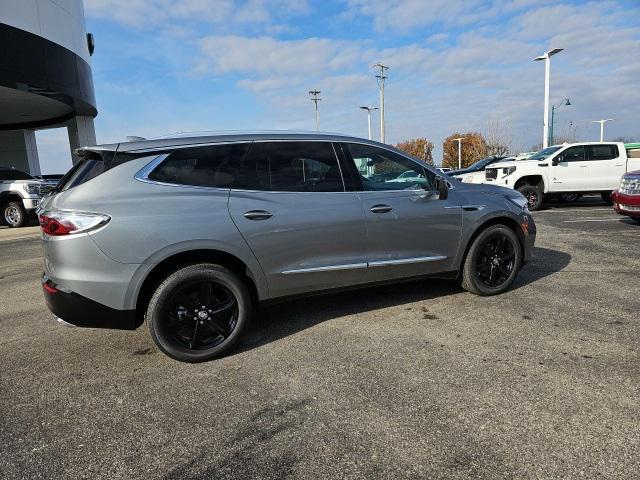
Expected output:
(288, 317)
(543, 262)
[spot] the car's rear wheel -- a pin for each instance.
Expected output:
(14, 214)
(534, 196)
(492, 262)
(199, 312)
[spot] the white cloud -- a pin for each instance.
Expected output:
(152, 13)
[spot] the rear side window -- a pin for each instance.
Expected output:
(290, 167)
(212, 166)
(602, 152)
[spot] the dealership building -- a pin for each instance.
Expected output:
(45, 77)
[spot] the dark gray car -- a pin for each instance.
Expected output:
(193, 233)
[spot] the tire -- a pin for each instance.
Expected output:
(635, 219)
(606, 198)
(14, 214)
(534, 196)
(186, 332)
(497, 243)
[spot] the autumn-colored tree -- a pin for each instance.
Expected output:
(474, 147)
(418, 147)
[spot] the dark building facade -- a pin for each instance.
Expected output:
(45, 77)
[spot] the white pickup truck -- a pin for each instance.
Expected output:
(574, 168)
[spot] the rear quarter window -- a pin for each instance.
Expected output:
(212, 166)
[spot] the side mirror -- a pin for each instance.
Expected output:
(442, 187)
(556, 160)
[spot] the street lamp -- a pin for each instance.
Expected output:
(315, 99)
(368, 109)
(382, 79)
(547, 66)
(553, 113)
(459, 152)
(602, 122)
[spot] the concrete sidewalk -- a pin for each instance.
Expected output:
(7, 234)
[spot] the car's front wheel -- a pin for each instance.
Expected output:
(534, 196)
(492, 262)
(199, 312)
(14, 214)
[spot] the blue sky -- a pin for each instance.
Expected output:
(164, 66)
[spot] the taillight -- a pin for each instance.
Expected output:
(62, 223)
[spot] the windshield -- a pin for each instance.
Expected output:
(542, 154)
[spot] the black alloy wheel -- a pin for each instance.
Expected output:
(200, 315)
(534, 196)
(495, 260)
(492, 262)
(199, 312)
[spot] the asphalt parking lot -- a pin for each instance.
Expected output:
(414, 380)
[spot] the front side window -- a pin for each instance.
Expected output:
(211, 166)
(602, 152)
(290, 167)
(573, 154)
(381, 169)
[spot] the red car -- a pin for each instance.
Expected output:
(626, 199)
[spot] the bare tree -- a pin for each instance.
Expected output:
(498, 140)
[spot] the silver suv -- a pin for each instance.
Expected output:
(192, 234)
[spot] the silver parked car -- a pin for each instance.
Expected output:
(191, 233)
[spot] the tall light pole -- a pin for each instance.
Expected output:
(553, 114)
(459, 152)
(368, 109)
(381, 78)
(315, 99)
(547, 67)
(602, 122)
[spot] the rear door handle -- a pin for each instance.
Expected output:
(258, 215)
(381, 208)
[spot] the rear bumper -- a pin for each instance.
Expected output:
(80, 311)
(624, 204)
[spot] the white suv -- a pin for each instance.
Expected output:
(575, 168)
(20, 195)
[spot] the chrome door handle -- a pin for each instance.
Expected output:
(381, 208)
(258, 215)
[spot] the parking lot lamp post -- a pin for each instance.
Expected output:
(459, 140)
(315, 99)
(547, 67)
(553, 111)
(368, 109)
(381, 78)
(602, 122)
